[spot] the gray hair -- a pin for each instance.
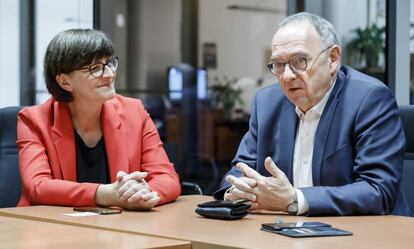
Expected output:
(69, 51)
(324, 28)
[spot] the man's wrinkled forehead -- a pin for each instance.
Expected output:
(280, 53)
(294, 30)
(295, 36)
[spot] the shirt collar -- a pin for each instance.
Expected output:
(320, 106)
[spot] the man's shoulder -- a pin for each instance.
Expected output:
(356, 86)
(269, 99)
(359, 80)
(271, 91)
(359, 89)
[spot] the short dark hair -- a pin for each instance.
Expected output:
(70, 50)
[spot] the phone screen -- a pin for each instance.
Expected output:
(281, 226)
(98, 210)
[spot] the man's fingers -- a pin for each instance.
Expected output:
(228, 196)
(273, 169)
(238, 183)
(243, 194)
(249, 172)
(254, 206)
(251, 182)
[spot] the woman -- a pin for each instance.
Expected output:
(87, 145)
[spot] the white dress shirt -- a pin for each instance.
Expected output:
(303, 153)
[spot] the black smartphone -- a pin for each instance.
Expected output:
(98, 210)
(287, 225)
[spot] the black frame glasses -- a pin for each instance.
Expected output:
(297, 64)
(98, 69)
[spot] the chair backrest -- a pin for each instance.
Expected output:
(187, 188)
(10, 183)
(407, 183)
(407, 117)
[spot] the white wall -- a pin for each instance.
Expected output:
(241, 37)
(52, 17)
(9, 51)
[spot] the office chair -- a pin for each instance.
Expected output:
(407, 183)
(190, 188)
(10, 183)
(155, 106)
(187, 188)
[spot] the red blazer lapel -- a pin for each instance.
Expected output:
(115, 140)
(64, 140)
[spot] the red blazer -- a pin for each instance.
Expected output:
(47, 154)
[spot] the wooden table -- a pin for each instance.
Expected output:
(23, 233)
(179, 221)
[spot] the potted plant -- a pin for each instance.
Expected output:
(367, 47)
(224, 95)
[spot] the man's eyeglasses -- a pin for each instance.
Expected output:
(296, 64)
(98, 69)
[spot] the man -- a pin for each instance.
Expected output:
(326, 140)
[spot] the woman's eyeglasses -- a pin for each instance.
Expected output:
(98, 69)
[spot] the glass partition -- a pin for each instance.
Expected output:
(52, 17)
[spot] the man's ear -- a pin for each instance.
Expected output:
(335, 58)
(63, 81)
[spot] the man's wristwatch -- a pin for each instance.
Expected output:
(293, 207)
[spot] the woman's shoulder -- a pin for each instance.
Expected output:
(42, 115)
(122, 101)
(39, 109)
(124, 104)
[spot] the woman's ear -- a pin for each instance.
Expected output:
(63, 81)
(335, 58)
